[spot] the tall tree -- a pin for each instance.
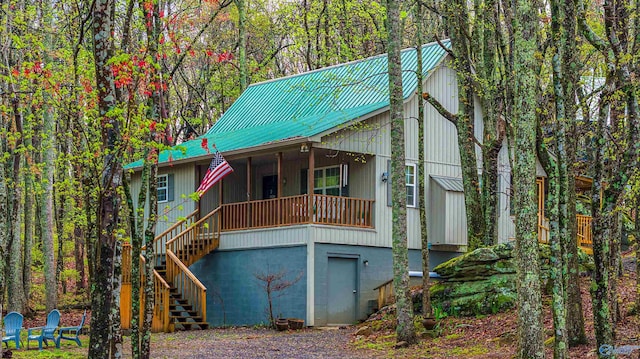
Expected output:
(530, 327)
(570, 78)
(612, 167)
(110, 180)
(404, 313)
(424, 240)
(480, 72)
(242, 43)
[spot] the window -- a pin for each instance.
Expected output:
(411, 183)
(411, 178)
(327, 181)
(163, 188)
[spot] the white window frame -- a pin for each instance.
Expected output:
(164, 188)
(411, 186)
(324, 186)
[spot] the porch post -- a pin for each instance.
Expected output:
(248, 211)
(310, 182)
(279, 174)
(279, 190)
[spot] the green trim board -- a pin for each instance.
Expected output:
(307, 104)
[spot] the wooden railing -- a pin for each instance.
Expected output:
(185, 249)
(188, 286)
(584, 231)
(160, 321)
(197, 240)
(543, 229)
(161, 240)
(303, 209)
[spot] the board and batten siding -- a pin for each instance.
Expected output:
(266, 237)
(183, 185)
(506, 224)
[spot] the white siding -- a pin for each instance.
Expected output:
(506, 225)
(268, 237)
(370, 136)
(456, 221)
(184, 185)
(437, 223)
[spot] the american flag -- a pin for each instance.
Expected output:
(218, 168)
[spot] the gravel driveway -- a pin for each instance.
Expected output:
(257, 343)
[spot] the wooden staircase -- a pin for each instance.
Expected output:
(180, 299)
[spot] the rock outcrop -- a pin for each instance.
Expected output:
(484, 281)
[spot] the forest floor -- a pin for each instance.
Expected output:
(491, 336)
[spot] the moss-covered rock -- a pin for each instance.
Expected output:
(484, 281)
(490, 295)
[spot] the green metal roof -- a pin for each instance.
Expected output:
(306, 104)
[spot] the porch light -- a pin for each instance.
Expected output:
(304, 148)
(385, 176)
(365, 262)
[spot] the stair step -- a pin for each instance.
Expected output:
(179, 313)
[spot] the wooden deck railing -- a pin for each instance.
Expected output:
(584, 230)
(303, 209)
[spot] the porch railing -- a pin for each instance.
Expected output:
(302, 209)
(584, 230)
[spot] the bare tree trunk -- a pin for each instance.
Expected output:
(111, 177)
(404, 313)
(29, 220)
(424, 240)
(242, 43)
(530, 327)
(570, 69)
(46, 210)
(14, 279)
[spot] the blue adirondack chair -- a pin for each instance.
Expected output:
(47, 332)
(12, 327)
(73, 332)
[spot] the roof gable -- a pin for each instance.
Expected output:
(303, 105)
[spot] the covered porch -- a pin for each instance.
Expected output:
(583, 222)
(293, 186)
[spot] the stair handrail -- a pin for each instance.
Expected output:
(189, 219)
(201, 305)
(178, 273)
(164, 320)
(171, 244)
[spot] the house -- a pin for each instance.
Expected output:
(309, 198)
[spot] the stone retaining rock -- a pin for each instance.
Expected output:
(484, 281)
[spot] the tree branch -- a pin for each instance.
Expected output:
(441, 110)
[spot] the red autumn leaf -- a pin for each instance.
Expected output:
(152, 126)
(15, 72)
(209, 53)
(170, 159)
(192, 53)
(205, 144)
